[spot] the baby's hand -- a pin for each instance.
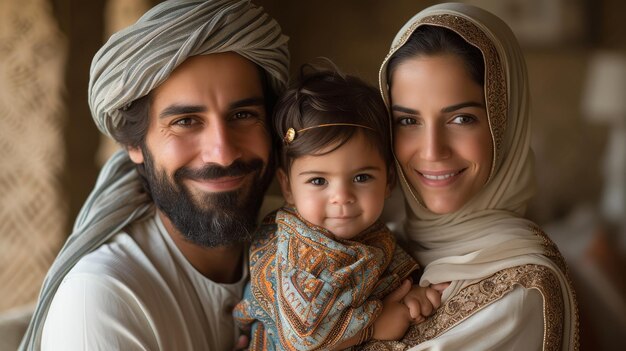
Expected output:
(242, 343)
(394, 320)
(422, 302)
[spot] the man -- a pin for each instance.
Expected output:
(187, 91)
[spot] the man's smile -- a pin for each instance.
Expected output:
(219, 184)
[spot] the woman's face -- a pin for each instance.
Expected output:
(441, 131)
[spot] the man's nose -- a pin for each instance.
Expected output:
(220, 145)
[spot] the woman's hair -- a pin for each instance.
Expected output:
(429, 40)
(327, 96)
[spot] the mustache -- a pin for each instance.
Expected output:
(214, 171)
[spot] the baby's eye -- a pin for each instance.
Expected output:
(318, 181)
(361, 178)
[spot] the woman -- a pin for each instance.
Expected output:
(456, 85)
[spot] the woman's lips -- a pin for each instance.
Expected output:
(440, 178)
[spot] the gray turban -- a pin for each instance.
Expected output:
(141, 57)
(131, 64)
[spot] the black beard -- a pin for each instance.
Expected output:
(213, 219)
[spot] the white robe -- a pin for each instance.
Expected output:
(513, 323)
(138, 292)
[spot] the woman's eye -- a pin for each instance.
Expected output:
(405, 121)
(361, 178)
(317, 181)
(463, 119)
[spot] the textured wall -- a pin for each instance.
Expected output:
(32, 208)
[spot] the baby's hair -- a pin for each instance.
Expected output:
(322, 96)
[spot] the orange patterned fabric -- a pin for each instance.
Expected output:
(310, 292)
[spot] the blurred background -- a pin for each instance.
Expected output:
(51, 151)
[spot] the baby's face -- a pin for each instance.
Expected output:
(343, 191)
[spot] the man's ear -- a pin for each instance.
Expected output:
(285, 187)
(135, 154)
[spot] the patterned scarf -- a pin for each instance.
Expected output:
(308, 291)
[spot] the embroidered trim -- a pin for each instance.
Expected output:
(550, 249)
(477, 296)
(553, 253)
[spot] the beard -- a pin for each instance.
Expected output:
(211, 219)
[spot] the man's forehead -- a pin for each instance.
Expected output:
(224, 71)
(221, 76)
(229, 60)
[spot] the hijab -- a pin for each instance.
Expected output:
(488, 233)
(132, 63)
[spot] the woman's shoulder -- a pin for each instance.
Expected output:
(551, 251)
(530, 292)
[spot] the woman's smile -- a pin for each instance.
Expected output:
(440, 178)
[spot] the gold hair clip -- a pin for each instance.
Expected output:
(291, 133)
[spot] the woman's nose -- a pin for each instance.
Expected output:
(434, 144)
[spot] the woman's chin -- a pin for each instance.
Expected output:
(441, 206)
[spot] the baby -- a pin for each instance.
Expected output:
(325, 272)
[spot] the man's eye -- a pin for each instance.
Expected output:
(184, 122)
(317, 181)
(243, 115)
(361, 178)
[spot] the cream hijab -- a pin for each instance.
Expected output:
(488, 233)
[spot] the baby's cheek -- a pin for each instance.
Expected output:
(311, 210)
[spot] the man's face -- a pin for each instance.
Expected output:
(207, 149)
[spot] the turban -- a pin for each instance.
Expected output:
(141, 57)
(132, 63)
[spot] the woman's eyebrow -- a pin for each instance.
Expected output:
(462, 105)
(403, 109)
